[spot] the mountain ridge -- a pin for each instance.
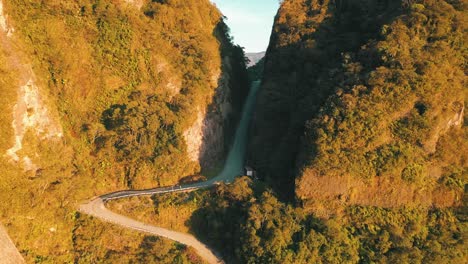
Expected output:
(254, 57)
(343, 138)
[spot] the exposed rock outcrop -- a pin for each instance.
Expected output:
(3, 22)
(3, 25)
(126, 84)
(171, 82)
(194, 137)
(206, 138)
(136, 3)
(452, 119)
(30, 112)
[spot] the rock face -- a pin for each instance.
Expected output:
(356, 113)
(136, 3)
(30, 111)
(103, 96)
(206, 139)
(172, 83)
(452, 119)
(4, 26)
(141, 100)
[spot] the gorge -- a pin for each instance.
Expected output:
(126, 116)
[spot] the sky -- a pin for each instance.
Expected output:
(250, 21)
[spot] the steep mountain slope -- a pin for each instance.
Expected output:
(254, 58)
(362, 103)
(106, 95)
(247, 223)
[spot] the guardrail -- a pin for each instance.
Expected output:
(126, 194)
(102, 212)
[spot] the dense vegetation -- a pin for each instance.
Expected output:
(248, 224)
(144, 71)
(366, 93)
(110, 244)
(125, 83)
(359, 115)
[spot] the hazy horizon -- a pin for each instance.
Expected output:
(250, 22)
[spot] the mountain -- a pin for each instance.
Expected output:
(254, 58)
(101, 96)
(365, 104)
(358, 139)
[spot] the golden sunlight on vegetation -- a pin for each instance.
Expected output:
(97, 242)
(248, 224)
(359, 136)
(171, 211)
(124, 82)
(371, 97)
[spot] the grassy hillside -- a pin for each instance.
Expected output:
(124, 84)
(365, 100)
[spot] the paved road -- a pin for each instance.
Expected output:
(8, 252)
(233, 167)
(97, 209)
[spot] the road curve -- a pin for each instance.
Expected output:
(232, 168)
(97, 209)
(9, 254)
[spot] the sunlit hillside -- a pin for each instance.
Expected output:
(99, 96)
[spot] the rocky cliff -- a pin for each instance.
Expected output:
(29, 111)
(123, 67)
(105, 95)
(362, 103)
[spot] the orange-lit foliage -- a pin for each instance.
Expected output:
(362, 89)
(126, 82)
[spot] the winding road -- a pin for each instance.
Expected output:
(9, 254)
(233, 167)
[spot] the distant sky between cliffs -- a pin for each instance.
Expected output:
(250, 21)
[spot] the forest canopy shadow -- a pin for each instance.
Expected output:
(303, 69)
